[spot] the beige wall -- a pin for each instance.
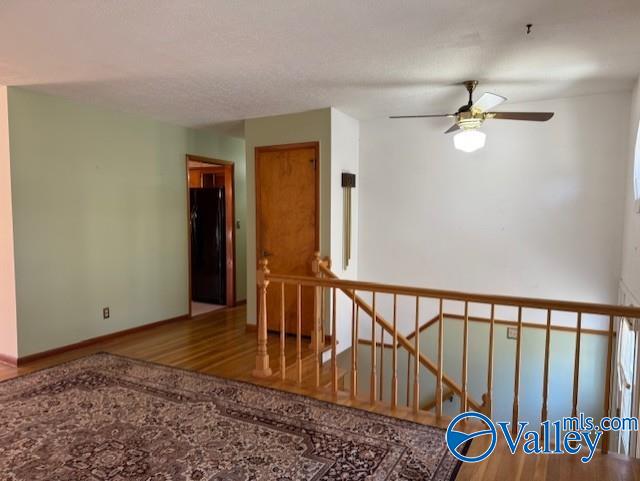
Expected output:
(338, 135)
(309, 126)
(99, 212)
(8, 322)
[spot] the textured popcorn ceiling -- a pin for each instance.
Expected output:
(204, 62)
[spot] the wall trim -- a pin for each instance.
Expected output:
(22, 360)
(504, 322)
(8, 360)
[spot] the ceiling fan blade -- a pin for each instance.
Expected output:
(488, 101)
(533, 116)
(420, 116)
(453, 128)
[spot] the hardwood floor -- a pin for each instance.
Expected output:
(219, 344)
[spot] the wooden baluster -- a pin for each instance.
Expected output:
(323, 310)
(334, 360)
(299, 335)
(416, 363)
(440, 360)
(373, 387)
(394, 360)
(576, 367)
(262, 355)
(607, 384)
(516, 384)
(317, 318)
(490, 363)
(464, 399)
(355, 337)
(283, 359)
(320, 336)
(381, 383)
(545, 379)
(408, 399)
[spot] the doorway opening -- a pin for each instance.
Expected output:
(211, 231)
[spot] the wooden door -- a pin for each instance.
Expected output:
(287, 221)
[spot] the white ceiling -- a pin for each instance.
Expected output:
(206, 62)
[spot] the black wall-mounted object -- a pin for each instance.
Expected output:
(348, 180)
(348, 183)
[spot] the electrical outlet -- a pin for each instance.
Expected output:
(105, 313)
(512, 333)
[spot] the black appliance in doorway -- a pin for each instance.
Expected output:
(208, 252)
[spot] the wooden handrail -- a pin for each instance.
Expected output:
(402, 340)
(325, 279)
(524, 302)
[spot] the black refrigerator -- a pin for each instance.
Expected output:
(208, 246)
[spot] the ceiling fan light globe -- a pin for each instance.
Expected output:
(469, 140)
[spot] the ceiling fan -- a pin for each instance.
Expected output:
(470, 117)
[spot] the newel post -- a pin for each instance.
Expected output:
(262, 356)
(487, 407)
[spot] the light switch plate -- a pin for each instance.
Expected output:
(512, 333)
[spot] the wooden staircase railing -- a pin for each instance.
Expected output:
(324, 281)
(412, 348)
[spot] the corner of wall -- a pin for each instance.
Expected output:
(345, 144)
(8, 310)
(630, 277)
(345, 157)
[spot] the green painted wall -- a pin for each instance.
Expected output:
(561, 361)
(99, 212)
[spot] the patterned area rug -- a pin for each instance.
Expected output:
(111, 418)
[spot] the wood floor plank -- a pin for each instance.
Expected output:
(219, 344)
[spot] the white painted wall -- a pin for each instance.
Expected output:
(538, 212)
(631, 248)
(8, 319)
(345, 136)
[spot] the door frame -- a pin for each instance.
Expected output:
(274, 148)
(230, 231)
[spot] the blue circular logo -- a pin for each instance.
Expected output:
(457, 440)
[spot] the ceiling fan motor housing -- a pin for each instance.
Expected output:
(469, 120)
